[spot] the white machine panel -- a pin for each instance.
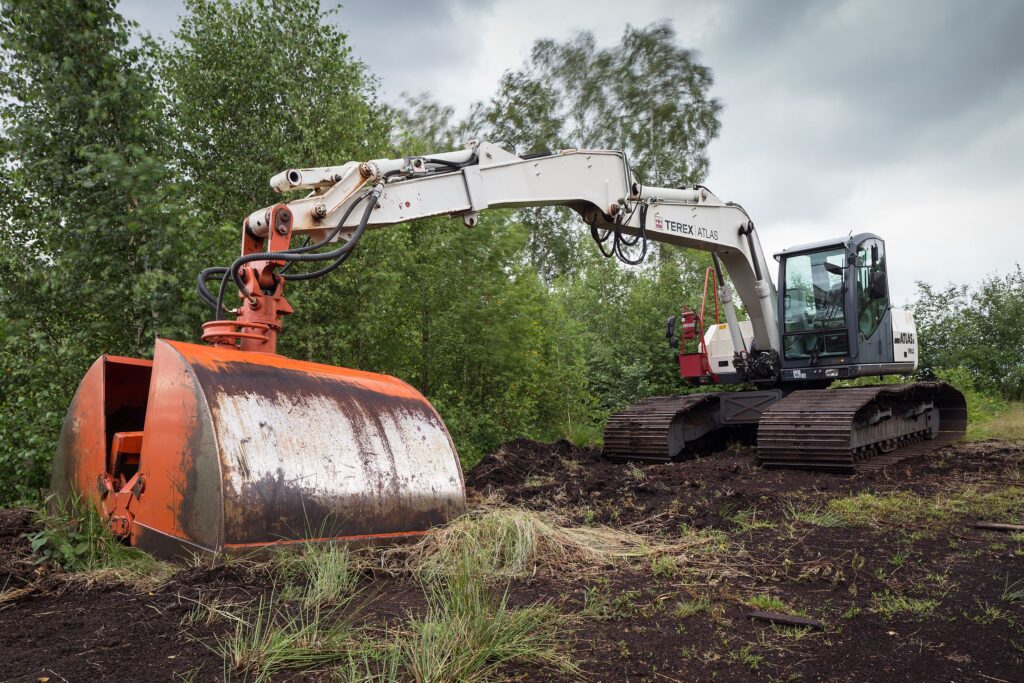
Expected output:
(720, 348)
(904, 337)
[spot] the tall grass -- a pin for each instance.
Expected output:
(326, 571)
(274, 636)
(470, 632)
(306, 621)
(1006, 424)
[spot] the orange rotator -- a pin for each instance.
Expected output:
(233, 447)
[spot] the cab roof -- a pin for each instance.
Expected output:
(836, 242)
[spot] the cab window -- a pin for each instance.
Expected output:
(870, 310)
(814, 305)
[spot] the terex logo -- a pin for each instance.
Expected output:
(683, 228)
(904, 338)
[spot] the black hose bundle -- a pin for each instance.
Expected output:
(621, 243)
(301, 254)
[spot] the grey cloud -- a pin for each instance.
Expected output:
(900, 75)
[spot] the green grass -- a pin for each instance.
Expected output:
(1006, 424)
(816, 515)
(74, 537)
(470, 633)
(689, 608)
(890, 605)
(745, 655)
(748, 520)
(602, 603)
(901, 507)
(1013, 592)
(326, 572)
(665, 567)
(987, 613)
(311, 620)
(273, 636)
(767, 603)
(305, 622)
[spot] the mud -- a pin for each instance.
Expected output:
(60, 628)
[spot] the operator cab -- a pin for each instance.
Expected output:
(837, 321)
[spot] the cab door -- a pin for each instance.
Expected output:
(871, 303)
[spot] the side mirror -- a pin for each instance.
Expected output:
(670, 330)
(878, 286)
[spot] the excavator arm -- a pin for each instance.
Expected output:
(598, 184)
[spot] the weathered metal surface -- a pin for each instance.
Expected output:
(661, 428)
(112, 394)
(844, 430)
(242, 449)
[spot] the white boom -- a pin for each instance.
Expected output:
(597, 184)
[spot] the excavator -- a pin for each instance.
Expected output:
(226, 446)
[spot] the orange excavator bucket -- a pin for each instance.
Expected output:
(209, 449)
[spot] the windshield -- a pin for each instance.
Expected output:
(815, 304)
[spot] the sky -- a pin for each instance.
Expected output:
(905, 119)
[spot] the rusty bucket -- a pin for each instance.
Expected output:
(209, 449)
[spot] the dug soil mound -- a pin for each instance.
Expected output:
(704, 491)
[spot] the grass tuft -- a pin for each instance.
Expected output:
(767, 603)
(470, 633)
(327, 571)
(1013, 592)
(889, 605)
(508, 542)
(689, 608)
(74, 537)
(816, 515)
(273, 636)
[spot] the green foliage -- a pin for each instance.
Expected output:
(90, 260)
(257, 87)
(646, 96)
(74, 537)
(977, 329)
(981, 406)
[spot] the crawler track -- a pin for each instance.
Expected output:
(658, 429)
(845, 430)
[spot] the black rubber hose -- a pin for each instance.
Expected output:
(601, 240)
(618, 247)
(300, 254)
(318, 273)
(455, 165)
(305, 243)
(718, 269)
(204, 292)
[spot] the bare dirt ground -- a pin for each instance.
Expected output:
(888, 561)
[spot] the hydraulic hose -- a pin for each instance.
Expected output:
(204, 293)
(301, 254)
